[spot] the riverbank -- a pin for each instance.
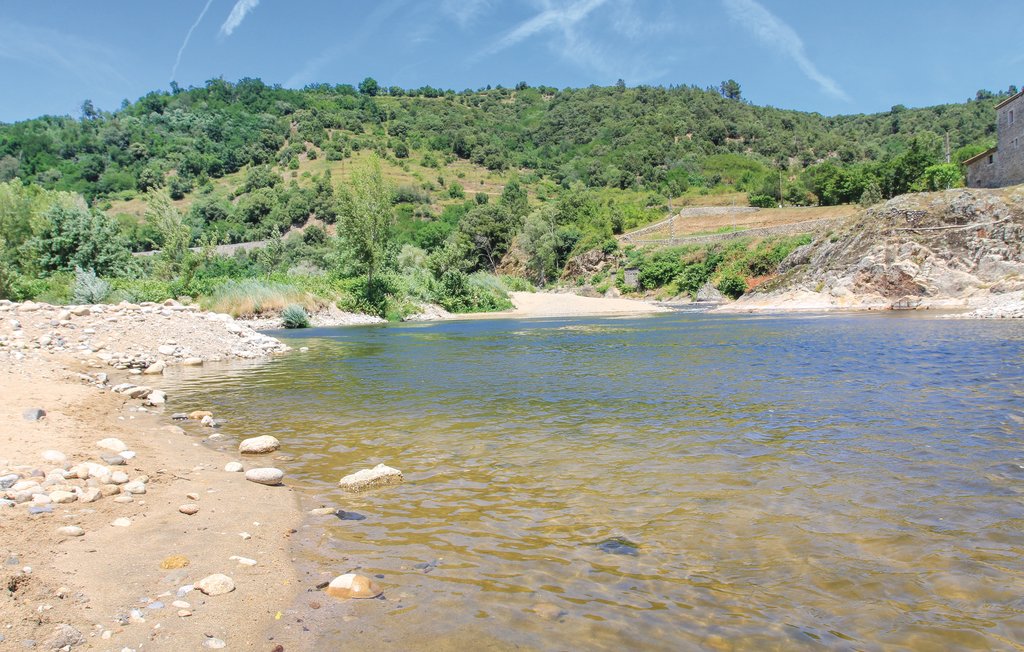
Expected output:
(111, 515)
(529, 305)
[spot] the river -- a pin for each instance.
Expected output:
(670, 482)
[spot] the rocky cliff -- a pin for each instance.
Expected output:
(958, 249)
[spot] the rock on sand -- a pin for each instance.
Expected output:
(267, 475)
(216, 584)
(257, 445)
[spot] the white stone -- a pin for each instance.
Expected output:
(155, 368)
(244, 561)
(61, 497)
(166, 349)
(118, 477)
(267, 476)
(134, 487)
(256, 445)
(216, 584)
(189, 509)
(378, 476)
(112, 444)
(56, 457)
(192, 362)
(89, 495)
(156, 398)
(70, 531)
(121, 522)
(234, 467)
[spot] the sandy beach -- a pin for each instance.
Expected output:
(550, 304)
(112, 561)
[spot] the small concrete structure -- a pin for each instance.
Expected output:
(631, 278)
(1003, 165)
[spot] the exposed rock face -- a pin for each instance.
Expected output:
(378, 476)
(951, 249)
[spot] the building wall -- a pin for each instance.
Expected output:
(1009, 159)
(984, 173)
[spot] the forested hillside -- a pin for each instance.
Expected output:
(465, 174)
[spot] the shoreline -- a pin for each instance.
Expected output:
(101, 571)
(538, 305)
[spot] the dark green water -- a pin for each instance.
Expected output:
(844, 482)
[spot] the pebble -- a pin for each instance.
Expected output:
(181, 604)
(216, 584)
(174, 561)
(257, 445)
(155, 368)
(62, 497)
(40, 510)
(184, 613)
(192, 362)
(214, 643)
(174, 430)
(192, 496)
(323, 511)
(233, 467)
(70, 531)
(134, 487)
(114, 460)
(199, 414)
(121, 522)
(55, 457)
(124, 499)
(118, 477)
(179, 416)
(156, 604)
(244, 561)
(156, 398)
(268, 476)
(89, 495)
(189, 509)
(33, 414)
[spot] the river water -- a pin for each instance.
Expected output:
(671, 482)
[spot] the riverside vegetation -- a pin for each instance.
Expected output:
(379, 200)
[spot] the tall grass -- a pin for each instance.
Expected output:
(251, 297)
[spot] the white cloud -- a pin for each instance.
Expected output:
(464, 12)
(184, 44)
(46, 47)
(772, 31)
(564, 18)
(237, 15)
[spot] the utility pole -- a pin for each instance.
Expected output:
(947, 147)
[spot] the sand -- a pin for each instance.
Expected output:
(550, 304)
(93, 582)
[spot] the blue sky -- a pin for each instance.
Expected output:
(829, 56)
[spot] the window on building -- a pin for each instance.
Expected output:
(990, 159)
(1011, 116)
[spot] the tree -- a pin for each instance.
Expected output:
(730, 89)
(367, 220)
(872, 194)
(73, 236)
(540, 242)
(369, 86)
(942, 176)
(514, 198)
(174, 237)
(489, 229)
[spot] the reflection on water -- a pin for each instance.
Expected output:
(682, 481)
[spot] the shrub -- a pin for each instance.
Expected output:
(252, 297)
(732, 285)
(294, 316)
(89, 288)
(455, 191)
(763, 201)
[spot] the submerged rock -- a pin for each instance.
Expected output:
(379, 476)
(352, 586)
(619, 546)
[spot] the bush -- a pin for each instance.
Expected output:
(89, 288)
(732, 285)
(253, 297)
(763, 201)
(294, 316)
(455, 191)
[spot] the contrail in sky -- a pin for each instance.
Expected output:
(181, 50)
(237, 15)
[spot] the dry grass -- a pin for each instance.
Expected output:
(716, 223)
(250, 297)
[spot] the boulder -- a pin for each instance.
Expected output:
(379, 476)
(216, 584)
(256, 445)
(267, 475)
(352, 586)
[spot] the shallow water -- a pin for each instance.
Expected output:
(846, 482)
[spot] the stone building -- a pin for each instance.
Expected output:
(1003, 165)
